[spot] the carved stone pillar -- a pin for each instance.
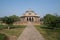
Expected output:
(34, 19)
(27, 18)
(31, 19)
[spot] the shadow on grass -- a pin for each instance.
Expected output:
(46, 27)
(17, 26)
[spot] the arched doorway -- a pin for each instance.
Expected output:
(30, 19)
(27, 19)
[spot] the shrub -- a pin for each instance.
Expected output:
(52, 21)
(3, 27)
(2, 36)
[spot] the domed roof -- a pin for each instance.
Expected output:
(30, 12)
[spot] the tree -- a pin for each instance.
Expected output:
(16, 18)
(51, 20)
(0, 21)
(10, 20)
(58, 22)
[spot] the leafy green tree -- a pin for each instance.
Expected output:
(0, 21)
(16, 18)
(51, 20)
(10, 20)
(58, 22)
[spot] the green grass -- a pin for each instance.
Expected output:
(3, 27)
(14, 31)
(49, 34)
(11, 26)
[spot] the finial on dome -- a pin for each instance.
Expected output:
(29, 10)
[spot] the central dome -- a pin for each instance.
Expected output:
(30, 12)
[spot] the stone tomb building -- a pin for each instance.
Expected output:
(29, 16)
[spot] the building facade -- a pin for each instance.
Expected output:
(29, 16)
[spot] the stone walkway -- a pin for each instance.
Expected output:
(30, 33)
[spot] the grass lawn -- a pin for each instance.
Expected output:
(49, 34)
(14, 31)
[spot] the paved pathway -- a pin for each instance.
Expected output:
(30, 33)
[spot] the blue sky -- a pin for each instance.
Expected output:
(18, 7)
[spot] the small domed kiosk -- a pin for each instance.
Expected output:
(30, 16)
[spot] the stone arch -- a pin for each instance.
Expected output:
(27, 19)
(30, 19)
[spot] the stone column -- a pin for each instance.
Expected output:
(34, 19)
(28, 18)
(31, 19)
